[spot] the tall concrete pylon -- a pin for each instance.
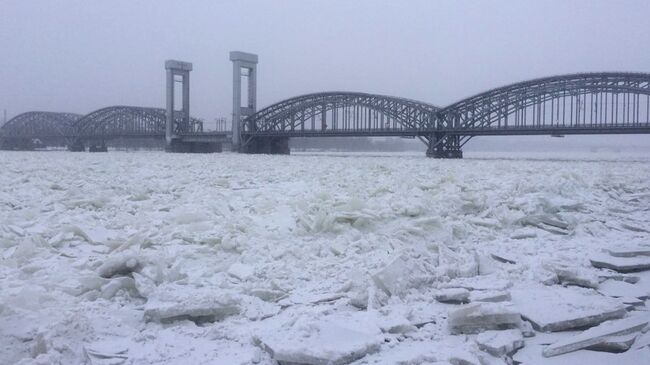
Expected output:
(246, 62)
(183, 69)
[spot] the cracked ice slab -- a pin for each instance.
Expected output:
(629, 251)
(453, 295)
(597, 335)
(615, 288)
(620, 264)
(329, 344)
(176, 302)
(499, 343)
(555, 308)
(478, 317)
(532, 355)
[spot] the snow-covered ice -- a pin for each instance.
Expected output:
(154, 258)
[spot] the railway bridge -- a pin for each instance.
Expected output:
(583, 103)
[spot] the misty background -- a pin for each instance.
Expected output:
(79, 56)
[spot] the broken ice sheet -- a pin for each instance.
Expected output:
(322, 344)
(621, 264)
(107, 351)
(598, 334)
(178, 302)
(478, 317)
(572, 307)
(500, 343)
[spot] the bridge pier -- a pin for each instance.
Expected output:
(180, 146)
(442, 145)
(268, 145)
(98, 147)
(22, 144)
(77, 145)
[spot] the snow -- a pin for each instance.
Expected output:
(161, 258)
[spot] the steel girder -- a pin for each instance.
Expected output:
(296, 113)
(489, 107)
(41, 125)
(588, 102)
(128, 121)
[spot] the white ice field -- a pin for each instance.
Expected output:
(155, 258)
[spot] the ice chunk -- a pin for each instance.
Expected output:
(463, 357)
(503, 257)
(112, 351)
(523, 233)
(484, 282)
(478, 317)
(119, 264)
(632, 279)
(629, 251)
(461, 264)
(327, 344)
(500, 343)
(571, 307)
(490, 296)
(615, 288)
(547, 223)
(486, 265)
(144, 285)
(527, 329)
(571, 275)
(532, 355)
(620, 264)
(642, 341)
(241, 271)
(615, 344)
(398, 276)
(453, 295)
(109, 290)
(178, 302)
(268, 295)
(598, 334)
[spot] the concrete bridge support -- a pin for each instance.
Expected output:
(268, 145)
(182, 69)
(244, 64)
(20, 144)
(77, 145)
(443, 145)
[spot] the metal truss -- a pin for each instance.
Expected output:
(586, 103)
(341, 114)
(48, 128)
(129, 121)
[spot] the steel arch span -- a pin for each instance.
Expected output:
(335, 114)
(127, 122)
(25, 130)
(585, 103)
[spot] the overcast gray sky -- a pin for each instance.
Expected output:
(79, 56)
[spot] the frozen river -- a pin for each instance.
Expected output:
(154, 258)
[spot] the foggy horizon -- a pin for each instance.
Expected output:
(75, 56)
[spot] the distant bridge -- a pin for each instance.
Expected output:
(96, 128)
(587, 103)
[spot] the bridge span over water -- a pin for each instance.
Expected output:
(584, 103)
